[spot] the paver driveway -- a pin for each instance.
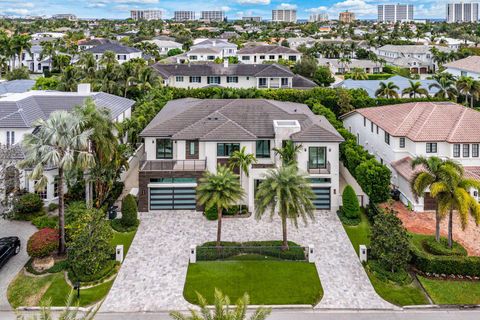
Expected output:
(23, 230)
(153, 274)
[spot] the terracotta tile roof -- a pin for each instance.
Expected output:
(471, 64)
(472, 172)
(404, 168)
(426, 121)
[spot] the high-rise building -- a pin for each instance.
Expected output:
(184, 15)
(213, 15)
(346, 17)
(318, 17)
(146, 14)
(462, 12)
(252, 19)
(284, 15)
(66, 16)
(395, 12)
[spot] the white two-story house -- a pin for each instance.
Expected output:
(466, 67)
(267, 53)
(190, 136)
(211, 49)
(396, 134)
(122, 53)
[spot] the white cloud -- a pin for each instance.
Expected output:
(361, 8)
(287, 6)
(317, 10)
(264, 2)
(225, 8)
(15, 12)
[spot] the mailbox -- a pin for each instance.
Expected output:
(311, 253)
(363, 253)
(119, 253)
(193, 254)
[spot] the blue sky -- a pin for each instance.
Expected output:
(233, 8)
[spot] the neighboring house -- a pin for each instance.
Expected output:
(338, 67)
(468, 67)
(31, 60)
(396, 134)
(91, 43)
(190, 136)
(19, 111)
(15, 86)
(231, 76)
(371, 86)
(297, 42)
(260, 54)
(211, 49)
(122, 53)
(417, 58)
(165, 45)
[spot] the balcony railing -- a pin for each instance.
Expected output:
(173, 165)
(318, 169)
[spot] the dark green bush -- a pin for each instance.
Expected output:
(28, 206)
(401, 276)
(373, 76)
(129, 211)
(208, 251)
(45, 222)
(441, 248)
(118, 226)
(58, 267)
(350, 207)
(106, 271)
(212, 212)
(52, 207)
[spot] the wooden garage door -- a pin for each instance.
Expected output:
(322, 198)
(172, 198)
(429, 203)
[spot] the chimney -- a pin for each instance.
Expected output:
(225, 62)
(83, 88)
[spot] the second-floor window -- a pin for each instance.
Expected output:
(475, 150)
(387, 138)
(431, 147)
(227, 149)
(456, 151)
(232, 79)
(262, 149)
(466, 150)
(10, 138)
(213, 80)
(402, 142)
(164, 149)
(317, 157)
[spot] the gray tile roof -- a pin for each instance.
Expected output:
(16, 86)
(21, 112)
(273, 49)
(236, 120)
(115, 47)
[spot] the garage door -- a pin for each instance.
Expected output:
(172, 198)
(322, 198)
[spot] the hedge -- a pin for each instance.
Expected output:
(441, 248)
(129, 211)
(372, 76)
(212, 213)
(103, 273)
(208, 251)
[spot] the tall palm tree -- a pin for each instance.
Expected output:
(242, 160)
(446, 88)
(21, 43)
(423, 180)
(452, 193)
(288, 153)
(345, 61)
(358, 74)
(88, 65)
(220, 190)
(108, 58)
(414, 89)
(69, 79)
(469, 88)
(222, 309)
(61, 142)
(387, 90)
(287, 192)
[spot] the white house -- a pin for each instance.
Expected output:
(468, 67)
(122, 53)
(268, 53)
(211, 49)
(165, 45)
(190, 136)
(337, 67)
(396, 134)
(19, 111)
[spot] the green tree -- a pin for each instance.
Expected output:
(17, 74)
(222, 190)
(288, 153)
(470, 88)
(129, 211)
(414, 89)
(174, 52)
(60, 142)
(430, 173)
(323, 76)
(222, 310)
(287, 192)
(387, 90)
(242, 160)
(358, 74)
(350, 207)
(446, 88)
(374, 179)
(46, 83)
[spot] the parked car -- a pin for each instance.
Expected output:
(9, 247)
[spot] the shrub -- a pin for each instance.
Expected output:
(52, 207)
(117, 225)
(106, 271)
(129, 211)
(28, 205)
(350, 207)
(400, 276)
(42, 243)
(212, 213)
(45, 222)
(58, 266)
(17, 74)
(441, 248)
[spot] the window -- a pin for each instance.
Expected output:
(377, 128)
(179, 78)
(387, 138)
(271, 57)
(245, 58)
(195, 79)
(456, 151)
(317, 157)
(213, 80)
(284, 81)
(402, 142)
(263, 149)
(226, 149)
(262, 82)
(55, 187)
(232, 79)
(10, 138)
(364, 121)
(475, 150)
(42, 193)
(431, 147)
(193, 57)
(262, 57)
(371, 126)
(210, 57)
(292, 58)
(164, 149)
(192, 148)
(466, 150)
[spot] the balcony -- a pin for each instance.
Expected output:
(173, 165)
(318, 169)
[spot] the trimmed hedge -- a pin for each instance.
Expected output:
(401, 276)
(212, 212)
(129, 211)
(103, 273)
(118, 226)
(372, 76)
(42, 243)
(28, 206)
(209, 252)
(441, 248)
(350, 207)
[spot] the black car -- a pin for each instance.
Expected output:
(9, 247)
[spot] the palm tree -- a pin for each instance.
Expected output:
(58, 141)
(220, 190)
(423, 180)
(21, 43)
(288, 153)
(69, 79)
(452, 193)
(88, 65)
(387, 90)
(446, 88)
(345, 61)
(287, 192)
(242, 160)
(414, 89)
(358, 74)
(108, 58)
(222, 309)
(469, 88)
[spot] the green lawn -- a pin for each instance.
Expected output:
(452, 292)
(402, 295)
(267, 282)
(124, 238)
(26, 291)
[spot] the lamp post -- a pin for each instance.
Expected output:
(76, 286)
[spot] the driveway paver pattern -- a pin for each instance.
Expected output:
(152, 276)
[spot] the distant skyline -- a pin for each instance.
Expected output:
(120, 9)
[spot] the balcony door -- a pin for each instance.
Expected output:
(317, 157)
(164, 149)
